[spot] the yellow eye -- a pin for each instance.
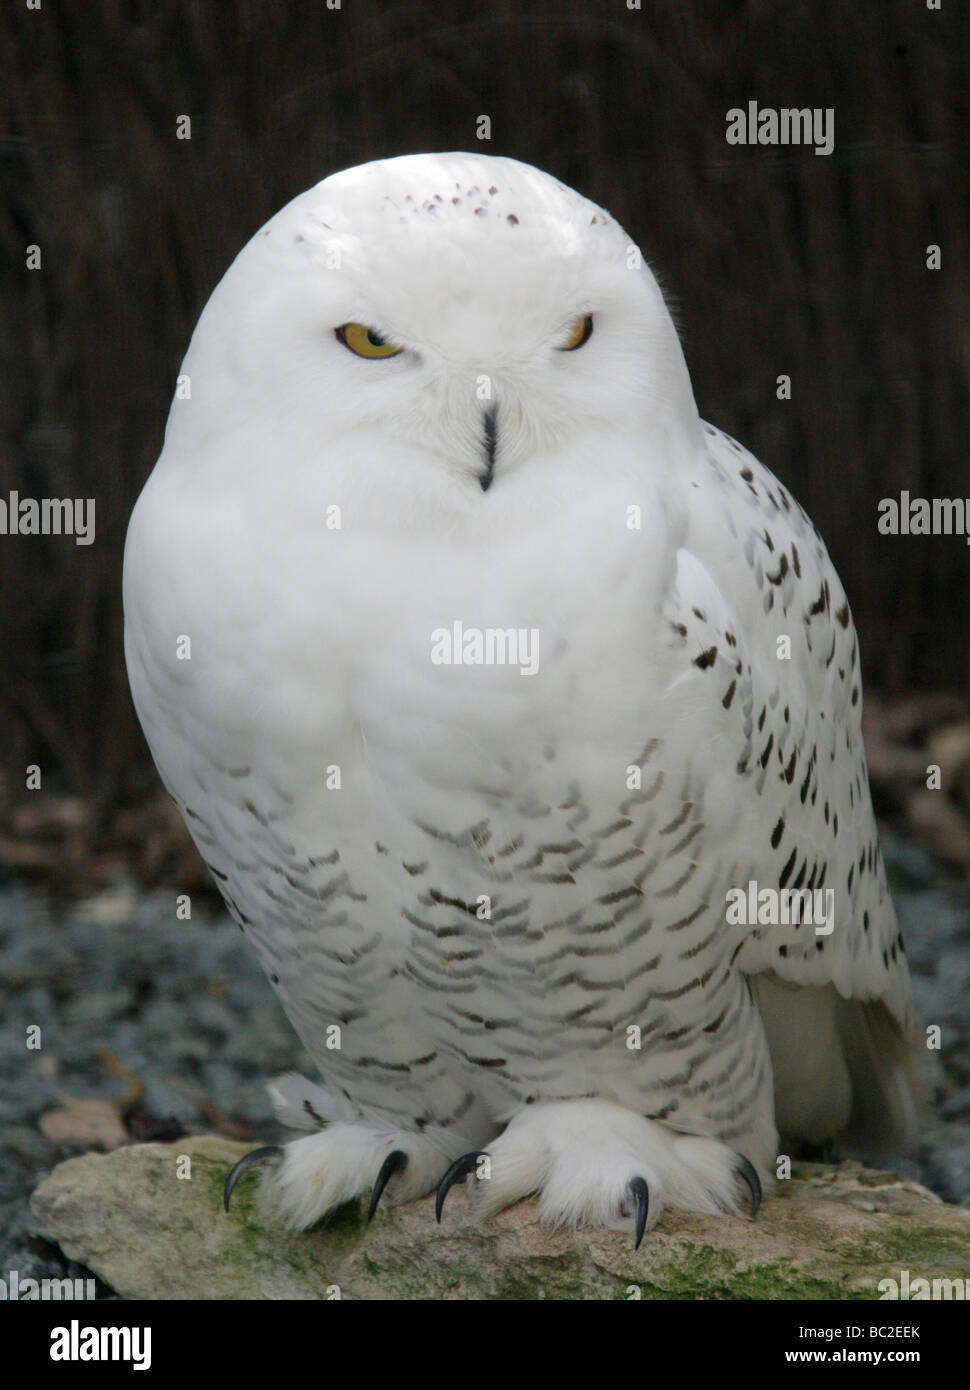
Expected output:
(365, 342)
(578, 334)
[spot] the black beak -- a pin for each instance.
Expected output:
(490, 443)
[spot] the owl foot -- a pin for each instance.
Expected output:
(596, 1163)
(396, 1162)
(245, 1163)
(323, 1170)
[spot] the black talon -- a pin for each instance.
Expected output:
(459, 1169)
(396, 1162)
(247, 1161)
(746, 1170)
(642, 1195)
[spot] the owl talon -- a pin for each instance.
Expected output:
(246, 1162)
(459, 1169)
(641, 1194)
(746, 1170)
(396, 1162)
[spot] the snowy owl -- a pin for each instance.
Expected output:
(516, 712)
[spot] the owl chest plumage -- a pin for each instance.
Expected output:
(484, 835)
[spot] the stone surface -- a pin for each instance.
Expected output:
(941, 825)
(827, 1233)
(903, 741)
(949, 748)
(95, 1123)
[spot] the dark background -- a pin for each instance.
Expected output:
(775, 260)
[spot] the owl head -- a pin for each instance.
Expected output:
(440, 326)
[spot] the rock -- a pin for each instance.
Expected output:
(50, 816)
(895, 769)
(912, 718)
(94, 1122)
(939, 824)
(827, 1233)
(949, 748)
(902, 741)
(114, 906)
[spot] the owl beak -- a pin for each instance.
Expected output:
(489, 446)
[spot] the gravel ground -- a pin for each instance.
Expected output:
(129, 1000)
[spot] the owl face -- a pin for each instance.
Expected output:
(446, 320)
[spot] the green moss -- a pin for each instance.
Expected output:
(707, 1273)
(929, 1244)
(348, 1220)
(243, 1194)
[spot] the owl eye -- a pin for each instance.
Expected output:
(579, 334)
(365, 342)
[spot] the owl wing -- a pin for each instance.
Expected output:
(766, 621)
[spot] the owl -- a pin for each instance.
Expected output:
(516, 712)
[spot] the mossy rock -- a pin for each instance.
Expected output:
(826, 1233)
